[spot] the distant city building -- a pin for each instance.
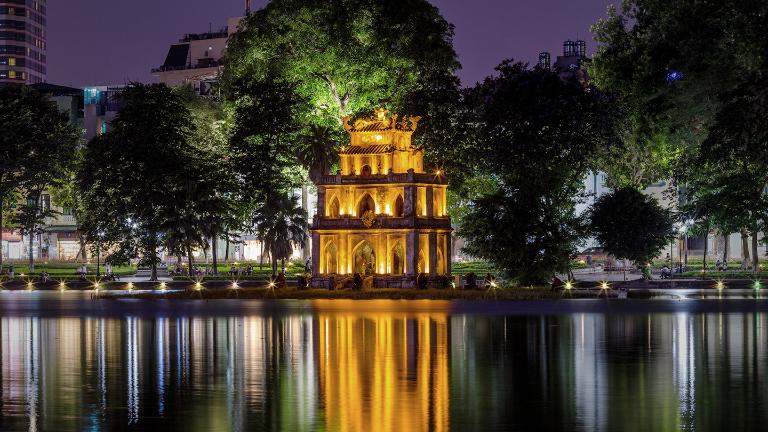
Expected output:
(197, 59)
(22, 42)
(101, 105)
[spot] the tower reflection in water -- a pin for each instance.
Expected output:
(386, 369)
(372, 371)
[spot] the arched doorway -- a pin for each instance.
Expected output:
(399, 207)
(331, 258)
(366, 204)
(398, 259)
(366, 171)
(364, 259)
(334, 210)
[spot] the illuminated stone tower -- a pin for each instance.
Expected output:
(381, 215)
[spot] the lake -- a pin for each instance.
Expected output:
(71, 363)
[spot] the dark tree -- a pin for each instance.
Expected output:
(36, 147)
(536, 136)
(631, 225)
(131, 178)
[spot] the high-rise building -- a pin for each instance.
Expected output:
(22, 41)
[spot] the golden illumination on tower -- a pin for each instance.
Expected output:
(382, 215)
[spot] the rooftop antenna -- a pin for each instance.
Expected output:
(247, 7)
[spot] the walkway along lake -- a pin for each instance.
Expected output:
(71, 363)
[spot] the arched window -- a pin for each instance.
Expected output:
(334, 208)
(365, 171)
(399, 207)
(331, 259)
(398, 259)
(364, 259)
(366, 204)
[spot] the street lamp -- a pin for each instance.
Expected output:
(99, 236)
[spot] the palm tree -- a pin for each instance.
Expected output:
(318, 151)
(317, 154)
(281, 224)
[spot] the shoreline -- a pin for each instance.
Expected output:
(372, 294)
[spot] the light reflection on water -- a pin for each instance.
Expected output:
(385, 366)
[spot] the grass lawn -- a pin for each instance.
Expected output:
(69, 269)
(712, 274)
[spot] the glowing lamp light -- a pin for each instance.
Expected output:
(130, 286)
(30, 286)
(757, 285)
(62, 286)
(96, 286)
(674, 75)
(198, 286)
(271, 284)
(162, 286)
(604, 285)
(568, 285)
(720, 285)
(234, 285)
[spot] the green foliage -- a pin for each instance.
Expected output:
(159, 174)
(536, 137)
(344, 55)
(631, 225)
(281, 224)
(713, 46)
(36, 147)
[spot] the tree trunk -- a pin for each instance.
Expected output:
(153, 256)
(226, 247)
(189, 257)
(706, 249)
(261, 255)
(726, 249)
(685, 245)
(274, 267)
(305, 206)
(31, 266)
(744, 249)
(755, 256)
(214, 253)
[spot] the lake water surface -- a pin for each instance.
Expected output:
(71, 363)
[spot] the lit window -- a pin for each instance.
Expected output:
(12, 74)
(11, 61)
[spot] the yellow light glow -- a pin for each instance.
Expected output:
(568, 285)
(130, 286)
(62, 286)
(271, 284)
(388, 210)
(30, 285)
(96, 286)
(234, 285)
(198, 286)
(379, 137)
(604, 285)
(719, 285)
(162, 286)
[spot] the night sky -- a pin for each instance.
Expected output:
(94, 42)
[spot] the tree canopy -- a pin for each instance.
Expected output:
(536, 137)
(36, 147)
(632, 225)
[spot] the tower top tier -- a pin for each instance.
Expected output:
(382, 129)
